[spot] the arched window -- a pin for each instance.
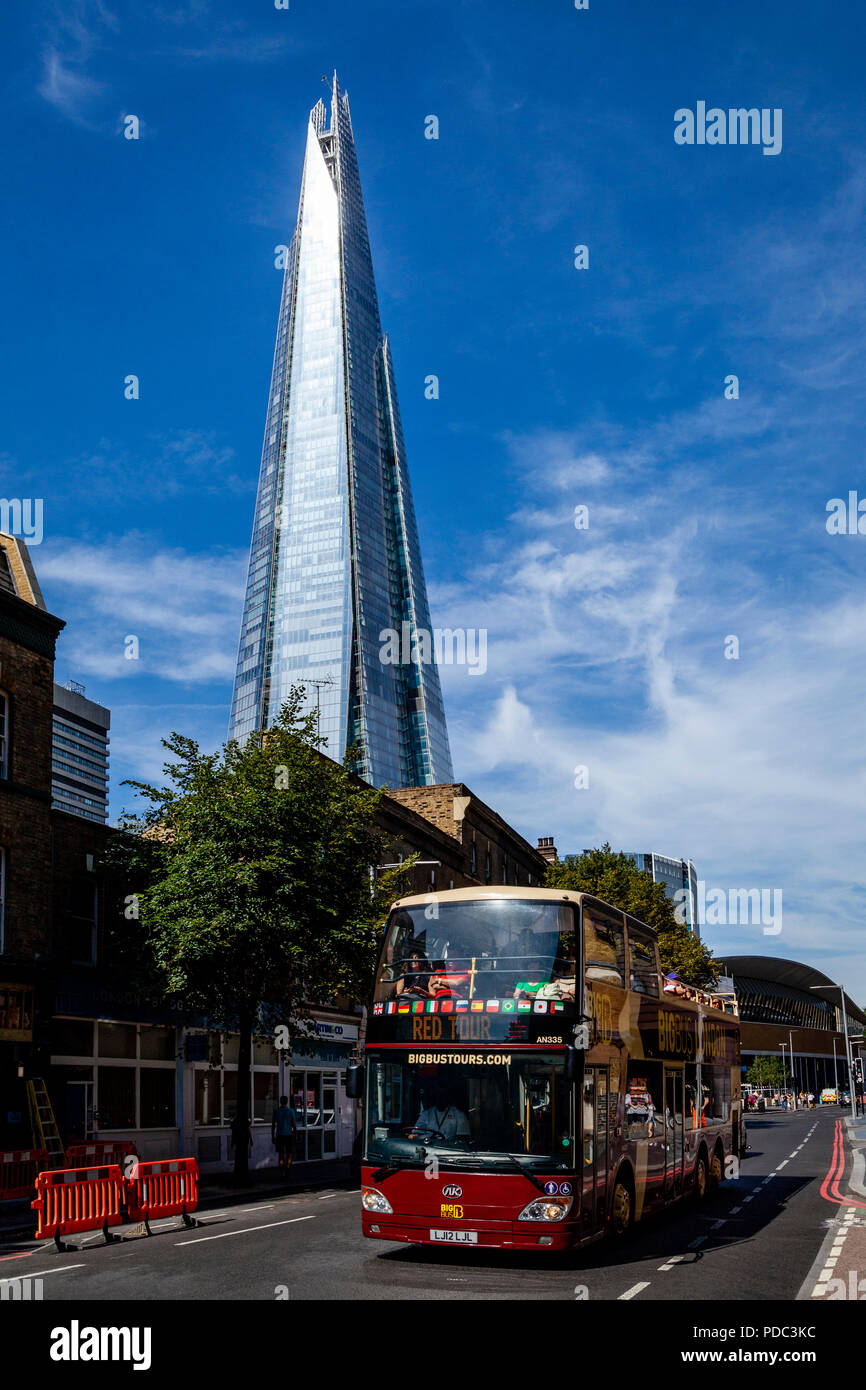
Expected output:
(4, 734)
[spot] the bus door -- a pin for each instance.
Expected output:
(674, 1134)
(594, 1134)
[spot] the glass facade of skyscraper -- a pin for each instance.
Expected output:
(335, 561)
(677, 876)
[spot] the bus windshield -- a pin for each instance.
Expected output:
(488, 948)
(487, 1110)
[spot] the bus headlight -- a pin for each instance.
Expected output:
(374, 1200)
(546, 1209)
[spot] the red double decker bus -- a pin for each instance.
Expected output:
(530, 1081)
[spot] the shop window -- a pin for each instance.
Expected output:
(265, 1098)
(72, 1037)
(158, 1044)
(208, 1092)
(231, 1047)
(157, 1097)
(117, 1040)
(264, 1054)
(116, 1099)
(230, 1096)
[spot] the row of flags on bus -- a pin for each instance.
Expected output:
(471, 1006)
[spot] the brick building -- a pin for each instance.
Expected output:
(51, 887)
(488, 850)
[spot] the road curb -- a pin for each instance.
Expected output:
(857, 1180)
(804, 1294)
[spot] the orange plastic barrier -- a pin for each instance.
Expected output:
(165, 1188)
(100, 1151)
(79, 1199)
(18, 1169)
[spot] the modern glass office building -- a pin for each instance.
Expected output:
(676, 876)
(335, 562)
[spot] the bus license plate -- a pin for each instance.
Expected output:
(460, 1237)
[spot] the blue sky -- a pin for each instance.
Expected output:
(557, 387)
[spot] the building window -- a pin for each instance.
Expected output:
(7, 578)
(78, 921)
(116, 1099)
(2, 900)
(473, 860)
(4, 734)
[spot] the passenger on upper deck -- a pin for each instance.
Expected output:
(416, 973)
(537, 976)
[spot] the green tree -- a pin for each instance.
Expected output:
(617, 880)
(766, 1071)
(255, 886)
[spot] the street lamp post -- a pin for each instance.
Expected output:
(793, 1078)
(848, 1057)
(784, 1067)
(835, 1072)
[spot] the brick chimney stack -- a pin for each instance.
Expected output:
(546, 848)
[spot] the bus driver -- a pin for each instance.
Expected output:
(442, 1120)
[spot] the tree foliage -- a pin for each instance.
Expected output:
(616, 879)
(766, 1071)
(255, 875)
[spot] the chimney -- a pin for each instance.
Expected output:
(546, 848)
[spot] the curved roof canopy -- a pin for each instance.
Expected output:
(792, 973)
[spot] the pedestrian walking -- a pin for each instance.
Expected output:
(283, 1126)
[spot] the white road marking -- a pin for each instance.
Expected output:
(266, 1206)
(38, 1274)
(636, 1288)
(734, 1210)
(695, 1243)
(266, 1226)
(674, 1260)
(717, 1225)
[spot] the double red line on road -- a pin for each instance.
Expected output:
(830, 1186)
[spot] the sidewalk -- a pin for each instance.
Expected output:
(215, 1189)
(839, 1271)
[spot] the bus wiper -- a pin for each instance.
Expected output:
(391, 1168)
(516, 1163)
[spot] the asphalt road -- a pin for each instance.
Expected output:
(756, 1241)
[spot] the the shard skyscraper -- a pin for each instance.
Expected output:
(335, 559)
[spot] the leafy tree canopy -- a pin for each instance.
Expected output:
(255, 880)
(617, 880)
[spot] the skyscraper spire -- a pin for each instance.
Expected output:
(335, 559)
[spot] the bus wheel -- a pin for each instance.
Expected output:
(622, 1210)
(702, 1178)
(715, 1171)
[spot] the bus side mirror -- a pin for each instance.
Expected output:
(573, 1062)
(355, 1080)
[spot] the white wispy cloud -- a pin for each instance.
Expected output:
(184, 609)
(76, 31)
